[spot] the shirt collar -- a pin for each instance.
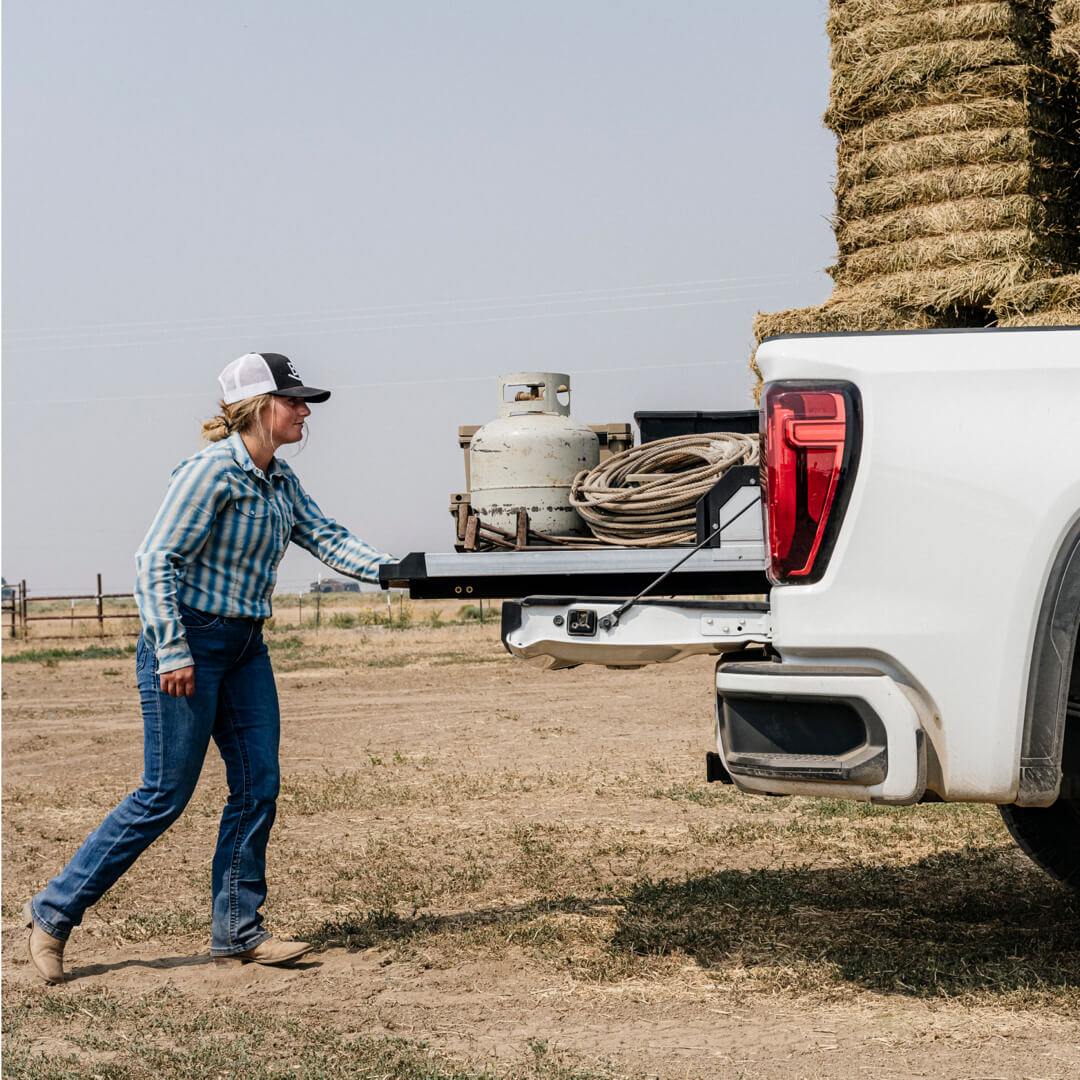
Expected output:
(242, 458)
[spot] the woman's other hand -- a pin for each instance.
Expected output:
(179, 683)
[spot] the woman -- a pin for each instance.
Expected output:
(204, 578)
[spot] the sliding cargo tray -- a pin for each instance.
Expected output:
(734, 569)
(733, 564)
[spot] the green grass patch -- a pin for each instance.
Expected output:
(702, 794)
(53, 656)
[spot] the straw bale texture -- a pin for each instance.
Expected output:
(847, 16)
(843, 316)
(1041, 295)
(967, 21)
(835, 317)
(964, 182)
(1057, 317)
(958, 167)
(986, 146)
(1066, 45)
(992, 112)
(1065, 40)
(959, 216)
(966, 285)
(953, 251)
(939, 74)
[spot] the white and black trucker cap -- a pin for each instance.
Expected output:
(265, 373)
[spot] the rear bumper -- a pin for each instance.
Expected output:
(567, 631)
(842, 732)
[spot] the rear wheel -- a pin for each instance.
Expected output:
(1050, 835)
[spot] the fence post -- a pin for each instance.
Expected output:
(22, 608)
(318, 610)
(100, 610)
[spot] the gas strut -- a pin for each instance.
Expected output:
(609, 622)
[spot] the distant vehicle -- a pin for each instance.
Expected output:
(334, 585)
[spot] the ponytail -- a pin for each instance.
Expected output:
(239, 416)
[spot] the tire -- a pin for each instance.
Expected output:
(1049, 835)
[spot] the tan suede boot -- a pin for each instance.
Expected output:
(271, 951)
(46, 952)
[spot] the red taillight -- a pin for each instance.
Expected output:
(805, 430)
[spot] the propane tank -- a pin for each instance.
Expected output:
(528, 458)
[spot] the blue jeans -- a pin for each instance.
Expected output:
(235, 703)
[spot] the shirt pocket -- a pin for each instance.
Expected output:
(250, 506)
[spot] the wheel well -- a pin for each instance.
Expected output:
(1070, 750)
(1050, 750)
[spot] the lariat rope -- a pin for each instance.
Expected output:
(646, 496)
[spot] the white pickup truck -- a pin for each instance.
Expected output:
(921, 537)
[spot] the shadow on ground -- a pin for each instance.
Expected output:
(949, 924)
(955, 923)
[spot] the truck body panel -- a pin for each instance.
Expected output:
(967, 484)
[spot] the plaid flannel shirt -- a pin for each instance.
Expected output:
(216, 542)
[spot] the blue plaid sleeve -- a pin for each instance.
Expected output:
(197, 491)
(332, 543)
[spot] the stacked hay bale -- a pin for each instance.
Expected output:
(957, 163)
(1051, 301)
(1066, 36)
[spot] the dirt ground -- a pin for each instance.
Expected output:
(515, 872)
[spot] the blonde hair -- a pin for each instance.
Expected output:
(241, 416)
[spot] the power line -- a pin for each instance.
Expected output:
(376, 385)
(397, 326)
(418, 308)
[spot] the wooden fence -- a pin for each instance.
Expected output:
(17, 612)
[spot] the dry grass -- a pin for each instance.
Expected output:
(958, 163)
(1065, 40)
(839, 317)
(1066, 46)
(959, 216)
(979, 146)
(843, 316)
(937, 25)
(163, 1034)
(957, 116)
(1045, 302)
(1039, 295)
(959, 252)
(953, 183)
(936, 74)
(847, 16)
(1054, 317)
(967, 285)
(461, 839)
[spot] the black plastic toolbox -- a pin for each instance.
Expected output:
(664, 425)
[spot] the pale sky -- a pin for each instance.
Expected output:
(409, 199)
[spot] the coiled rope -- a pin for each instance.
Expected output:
(647, 495)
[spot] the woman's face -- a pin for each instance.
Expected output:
(284, 418)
